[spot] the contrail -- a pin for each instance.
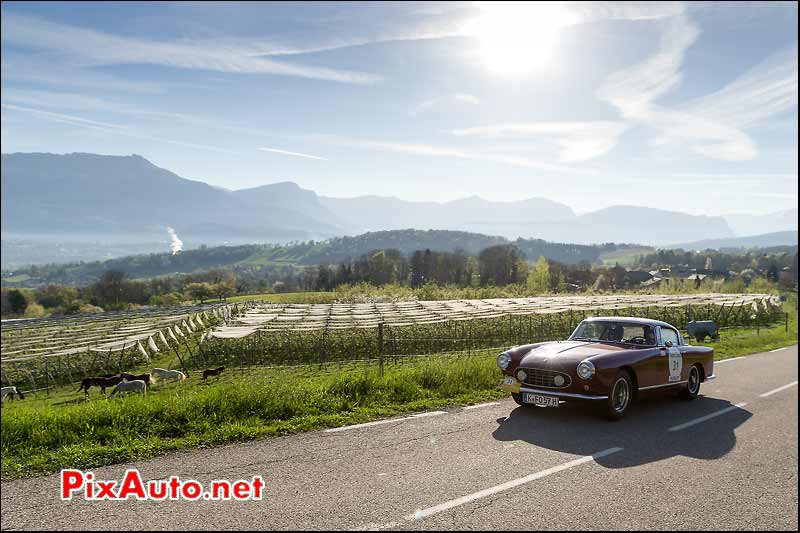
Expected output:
(295, 154)
(176, 244)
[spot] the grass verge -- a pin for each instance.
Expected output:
(742, 341)
(40, 439)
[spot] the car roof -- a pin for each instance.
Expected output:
(629, 319)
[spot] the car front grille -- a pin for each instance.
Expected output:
(538, 377)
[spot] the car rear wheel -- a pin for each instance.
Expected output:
(620, 397)
(692, 384)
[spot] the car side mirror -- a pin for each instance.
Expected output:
(668, 344)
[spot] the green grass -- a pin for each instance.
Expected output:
(310, 297)
(287, 297)
(17, 278)
(625, 257)
(743, 341)
(42, 434)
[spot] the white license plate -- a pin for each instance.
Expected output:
(537, 399)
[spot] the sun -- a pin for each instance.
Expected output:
(518, 37)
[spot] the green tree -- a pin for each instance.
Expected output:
(539, 277)
(223, 289)
(500, 265)
(200, 291)
(17, 302)
(56, 295)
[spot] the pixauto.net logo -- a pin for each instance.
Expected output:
(77, 484)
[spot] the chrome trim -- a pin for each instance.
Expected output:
(560, 394)
(529, 375)
(712, 376)
(664, 385)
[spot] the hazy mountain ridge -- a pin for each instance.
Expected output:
(128, 194)
(116, 198)
(741, 224)
(766, 240)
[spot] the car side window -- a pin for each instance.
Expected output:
(669, 334)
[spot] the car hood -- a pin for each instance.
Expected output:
(566, 353)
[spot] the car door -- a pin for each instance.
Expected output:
(649, 364)
(671, 367)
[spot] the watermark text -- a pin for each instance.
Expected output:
(84, 485)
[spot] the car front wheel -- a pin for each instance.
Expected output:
(692, 384)
(620, 396)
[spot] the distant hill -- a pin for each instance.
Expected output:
(766, 240)
(779, 221)
(129, 197)
(252, 257)
(524, 218)
(52, 203)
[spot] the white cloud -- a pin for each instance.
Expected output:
(577, 141)
(765, 90)
(446, 100)
(35, 68)
(66, 119)
(447, 151)
(711, 125)
(87, 47)
(295, 154)
(83, 102)
(593, 11)
(467, 98)
(633, 90)
(117, 129)
(90, 47)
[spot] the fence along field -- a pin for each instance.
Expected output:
(301, 334)
(42, 353)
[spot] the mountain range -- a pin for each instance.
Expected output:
(80, 197)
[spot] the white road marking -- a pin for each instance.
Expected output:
(479, 405)
(727, 360)
(387, 421)
(770, 393)
(436, 509)
(744, 357)
(707, 417)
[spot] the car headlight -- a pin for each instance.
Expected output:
(503, 360)
(585, 370)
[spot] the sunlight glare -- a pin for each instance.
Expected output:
(517, 37)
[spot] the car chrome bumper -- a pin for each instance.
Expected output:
(562, 394)
(712, 376)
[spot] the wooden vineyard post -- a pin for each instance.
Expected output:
(47, 377)
(380, 349)
(121, 355)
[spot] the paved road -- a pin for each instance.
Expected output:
(496, 466)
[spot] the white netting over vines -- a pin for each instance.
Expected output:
(310, 317)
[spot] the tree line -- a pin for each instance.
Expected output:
(496, 266)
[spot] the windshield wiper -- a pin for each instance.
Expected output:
(583, 339)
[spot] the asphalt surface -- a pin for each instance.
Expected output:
(496, 466)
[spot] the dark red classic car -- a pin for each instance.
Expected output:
(609, 362)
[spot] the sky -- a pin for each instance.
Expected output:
(689, 107)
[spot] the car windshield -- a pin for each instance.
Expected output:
(612, 331)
